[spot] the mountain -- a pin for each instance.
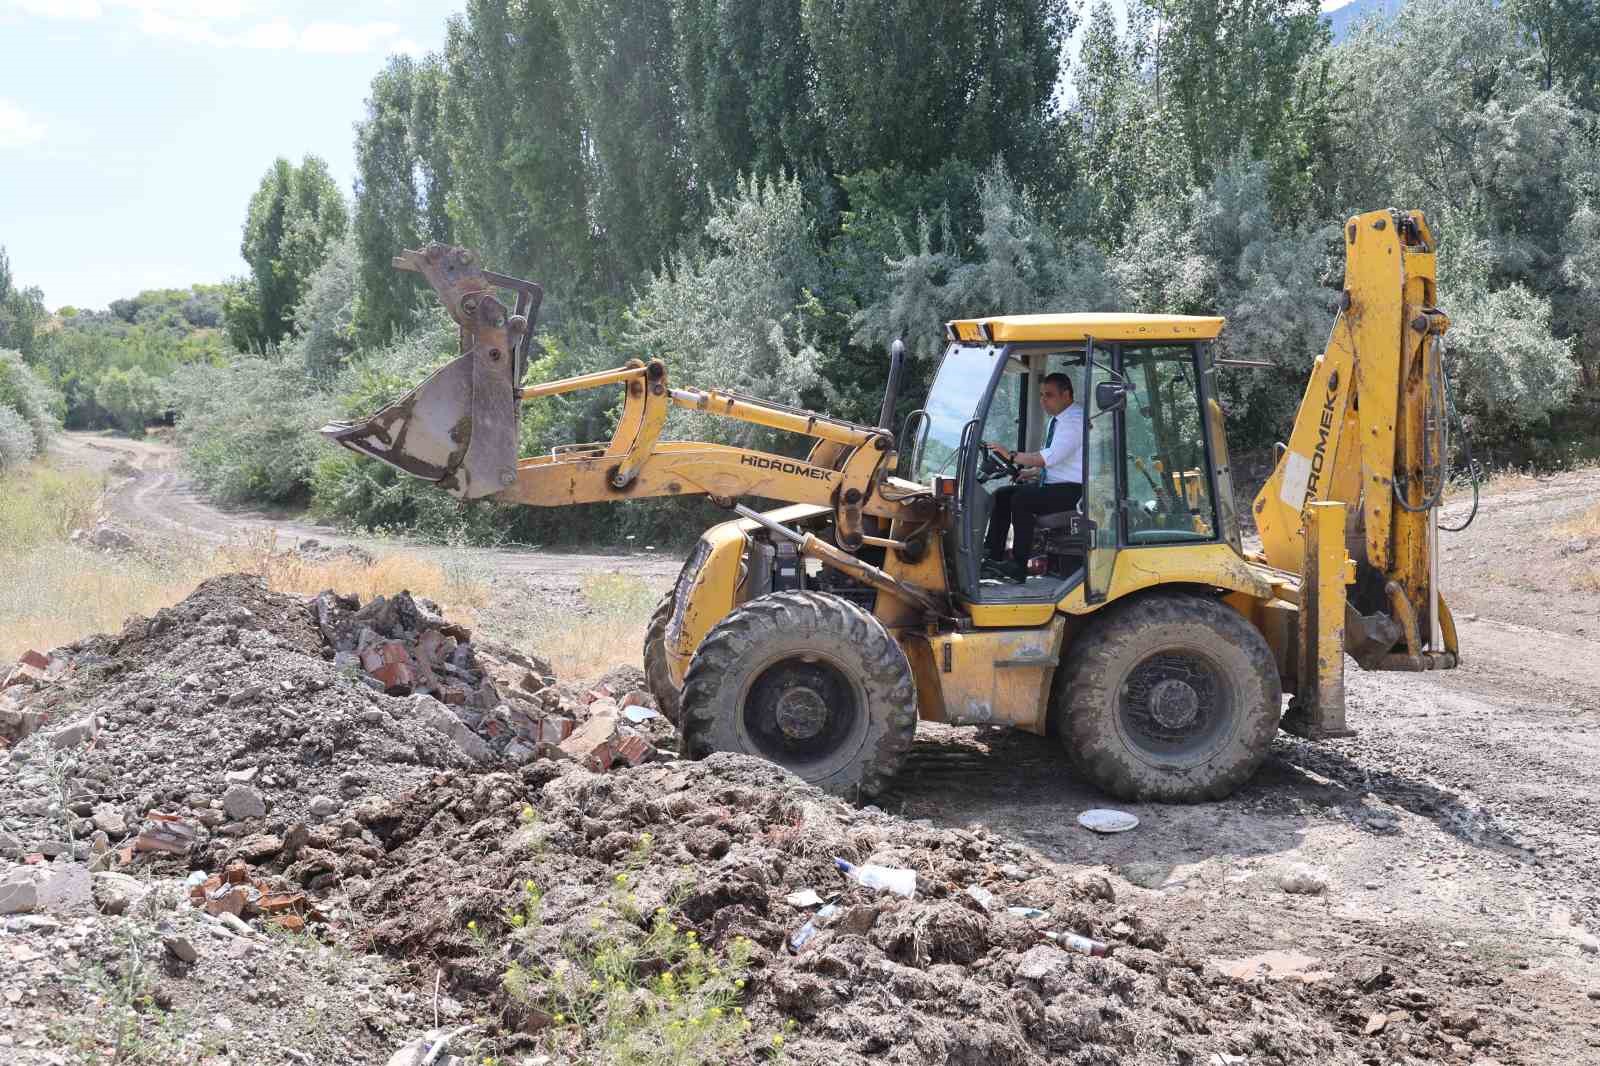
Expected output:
(1343, 19)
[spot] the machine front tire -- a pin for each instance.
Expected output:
(808, 681)
(669, 698)
(1168, 698)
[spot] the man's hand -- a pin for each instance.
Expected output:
(1000, 450)
(1029, 473)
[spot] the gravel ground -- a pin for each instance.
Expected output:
(1454, 840)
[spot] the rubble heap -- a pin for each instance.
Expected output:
(243, 723)
(731, 848)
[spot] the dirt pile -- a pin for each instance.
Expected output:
(240, 724)
(717, 846)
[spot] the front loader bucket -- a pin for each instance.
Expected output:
(459, 428)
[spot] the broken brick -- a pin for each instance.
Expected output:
(397, 678)
(25, 674)
(633, 749)
(385, 653)
(591, 744)
(35, 659)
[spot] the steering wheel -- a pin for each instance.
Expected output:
(992, 466)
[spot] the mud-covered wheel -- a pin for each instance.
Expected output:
(806, 680)
(1170, 698)
(656, 674)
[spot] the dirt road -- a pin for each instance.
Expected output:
(1458, 834)
(157, 497)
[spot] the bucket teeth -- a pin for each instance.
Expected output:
(459, 428)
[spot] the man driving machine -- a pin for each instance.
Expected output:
(1049, 481)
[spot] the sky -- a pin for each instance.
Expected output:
(133, 132)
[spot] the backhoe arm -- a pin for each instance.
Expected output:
(1370, 435)
(459, 428)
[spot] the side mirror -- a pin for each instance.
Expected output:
(1110, 395)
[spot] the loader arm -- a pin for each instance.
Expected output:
(459, 428)
(1369, 435)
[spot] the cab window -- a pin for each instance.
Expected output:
(1166, 475)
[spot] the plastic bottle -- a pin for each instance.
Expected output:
(803, 935)
(894, 879)
(1074, 942)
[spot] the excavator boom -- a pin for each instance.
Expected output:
(1370, 435)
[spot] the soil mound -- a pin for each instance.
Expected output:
(949, 976)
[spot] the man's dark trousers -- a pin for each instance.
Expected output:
(1023, 504)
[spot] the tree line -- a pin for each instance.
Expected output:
(765, 194)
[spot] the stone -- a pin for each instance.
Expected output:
(1376, 1024)
(61, 888)
(109, 820)
(1588, 944)
(248, 694)
(83, 731)
(181, 948)
(114, 893)
(241, 777)
(19, 891)
(324, 806)
(241, 802)
(1303, 881)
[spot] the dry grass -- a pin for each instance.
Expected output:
(456, 589)
(606, 633)
(53, 592)
(1586, 524)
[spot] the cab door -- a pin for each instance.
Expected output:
(1102, 413)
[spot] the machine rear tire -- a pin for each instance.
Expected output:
(806, 680)
(1168, 698)
(669, 698)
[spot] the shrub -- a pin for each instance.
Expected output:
(17, 444)
(130, 396)
(250, 429)
(38, 405)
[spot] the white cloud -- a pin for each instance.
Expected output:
(345, 38)
(407, 47)
(60, 9)
(215, 24)
(18, 129)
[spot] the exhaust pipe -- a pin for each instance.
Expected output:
(459, 428)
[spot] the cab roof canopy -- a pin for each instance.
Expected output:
(1080, 326)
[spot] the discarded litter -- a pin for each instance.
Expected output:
(803, 935)
(1074, 942)
(805, 897)
(900, 881)
(1104, 820)
(985, 899)
(1027, 912)
(636, 713)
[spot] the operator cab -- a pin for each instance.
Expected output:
(1153, 467)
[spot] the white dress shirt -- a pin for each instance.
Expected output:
(1063, 456)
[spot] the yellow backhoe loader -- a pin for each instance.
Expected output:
(1141, 632)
